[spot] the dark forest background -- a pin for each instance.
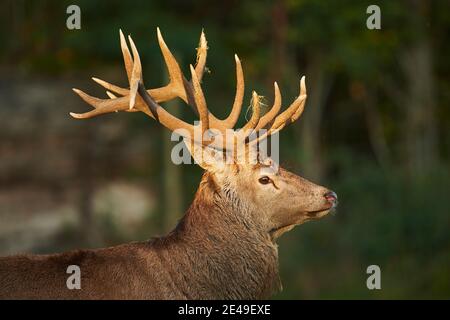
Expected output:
(375, 130)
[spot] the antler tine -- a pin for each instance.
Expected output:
(136, 74)
(111, 95)
(176, 76)
(299, 111)
(295, 108)
(101, 106)
(200, 101)
(128, 60)
(112, 87)
(269, 116)
(232, 118)
(202, 52)
(178, 83)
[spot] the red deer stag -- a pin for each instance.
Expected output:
(225, 245)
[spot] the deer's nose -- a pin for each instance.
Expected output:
(331, 197)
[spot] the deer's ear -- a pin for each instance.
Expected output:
(208, 158)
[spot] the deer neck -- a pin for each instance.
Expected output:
(234, 257)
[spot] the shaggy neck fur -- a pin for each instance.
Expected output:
(227, 255)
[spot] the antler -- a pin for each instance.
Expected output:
(279, 121)
(191, 93)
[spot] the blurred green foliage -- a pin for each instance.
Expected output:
(384, 219)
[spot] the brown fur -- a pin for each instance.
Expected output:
(213, 253)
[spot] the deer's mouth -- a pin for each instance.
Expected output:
(316, 214)
(319, 213)
(305, 216)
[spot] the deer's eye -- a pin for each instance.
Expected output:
(264, 180)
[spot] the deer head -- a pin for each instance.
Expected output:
(274, 200)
